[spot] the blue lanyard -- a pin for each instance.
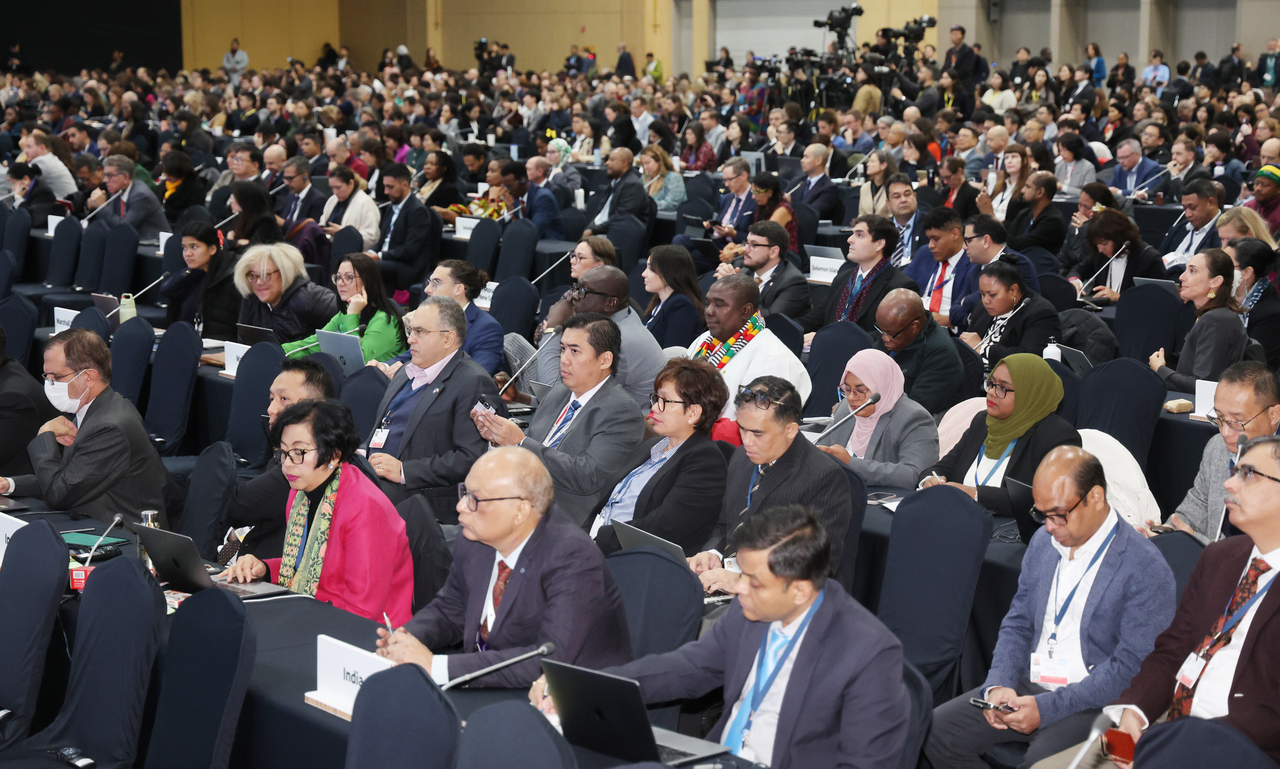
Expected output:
(755, 473)
(996, 466)
(1062, 610)
(758, 692)
(405, 394)
(654, 316)
(1243, 610)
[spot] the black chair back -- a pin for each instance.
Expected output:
(210, 654)
(363, 392)
(1045, 262)
(1193, 743)
(1146, 319)
(705, 281)
(806, 229)
(832, 348)
(572, 223)
(528, 739)
(1090, 335)
(1068, 406)
(18, 318)
(627, 236)
(482, 249)
(515, 255)
(432, 556)
(1122, 399)
(8, 275)
(93, 320)
(192, 214)
(334, 368)
(936, 545)
(130, 355)
(17, 232)
(347, 240)
(209, 489)
(662, 597)
(250, 396)
(173, 369)
(171, 260)
(787, 330)
(1060, 293)
(121, 256)
(702, 189)
(31, 586)
(704, 210)
(402, 718)
(1181, 551)
(63, 253)
(921, 714)
(971, 385)
(93, 250)
(514, 304)
(219, 207)
(857, 514)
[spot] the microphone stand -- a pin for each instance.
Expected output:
(218, 226)
(532, 358)
(875, 398)
(1080, 294)
(140, 293)
(1163, 170)
(1100, 725)
(543, 650)
(552, 267)
(104, 205)
(119, 519)
(855, 165)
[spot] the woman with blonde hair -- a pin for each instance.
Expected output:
(660, 178)
(1241, 222)
(278, 294)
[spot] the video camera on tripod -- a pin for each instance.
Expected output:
(839, 21)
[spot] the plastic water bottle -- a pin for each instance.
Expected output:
(595, 156)
(1051, 351)
(150, 519)
(128, 308)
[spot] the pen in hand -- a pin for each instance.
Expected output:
(390, 630)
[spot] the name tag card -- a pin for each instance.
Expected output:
(486, 295)
(341, 669)
(1204, 399)
(233, 352)
(463, 227)
(62, 318)
(515, 151)
(8, 525)
(54, 221)
(824, 270)
(164, 238)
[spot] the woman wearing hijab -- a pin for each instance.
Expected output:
(1007, 442)
(562, 171)
(890, 442)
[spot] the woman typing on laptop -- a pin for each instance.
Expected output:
(359, 284)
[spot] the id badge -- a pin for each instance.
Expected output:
(379, 438)
(1191, 669)
(1048, 672)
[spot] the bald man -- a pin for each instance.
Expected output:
(624, 195)
(273, 158)
(819, 192)
(522, 575)
(931, 366)
(1270, 154)
(340, 155)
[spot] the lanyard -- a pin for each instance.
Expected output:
(404, 395)
(755, 474)
(1239, 615)
(1062, 610)
(654, 316)
(996, 466)
(758, 692)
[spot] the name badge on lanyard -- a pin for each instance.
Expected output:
(379, 438)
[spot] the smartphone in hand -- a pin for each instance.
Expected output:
(980, 703)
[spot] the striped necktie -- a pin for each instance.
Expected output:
(900, 253)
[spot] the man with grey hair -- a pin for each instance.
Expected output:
(1133, 169)
(514, 542)
(423, 440)
(302, 201)
(136, 205)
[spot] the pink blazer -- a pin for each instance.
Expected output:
(367, 566)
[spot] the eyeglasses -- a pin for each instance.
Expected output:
(295, 456)
(265, 277)
(60, 377)
(1233, 425)
(417, 331)
(660, 403)
(578, 259)
(290, 178)
(997, 389)
(758, 191)
(765, 244)
(1057, 519)
(473, 502)
(894, 335)
(759, 397)
(846, 391)
(971, 237)
(1246, 473)
(342, 279)
(580, 292)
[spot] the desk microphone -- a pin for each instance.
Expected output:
(545, 338)
(357, 331)
(855, 165)
(1163, 170)
(277, 189)
(119, 519)
(875, 398)
(798, 185)
(6, 197)
(1116, 255)
(1100, 724)
(218, 226)
(541, 651)
(140, 293)
(552, 267)
(104, 205)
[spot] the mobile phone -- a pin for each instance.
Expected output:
(1117, 746)
(1162, 528)
(483, 405)
(980, 703)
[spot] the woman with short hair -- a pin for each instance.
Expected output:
(278, 294)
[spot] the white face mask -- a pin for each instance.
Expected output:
(1238, 279)
(57, 394)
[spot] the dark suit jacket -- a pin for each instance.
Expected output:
(962, 308)
(410, 234)
(444, 195)
(1146, 264)
(1038, 440)
(1027, 331)
(932, 370)
(681, 501)
(40, 202)
(560, 591)
(190, 193)
(23, 409)
(110, 468)
(629, 198)
(888, 279)
(142, 210)
(965, 62)
(745, 218)
(312, 207)
(1048, 231)
(440, 440)
(545, 213)
(1174, 237)
(622, 133)
(923, 267)
(801, 476)
(261, 503)
(320, 165)
(1251, 708)
(484, 339)
(845, 703)
(824, 196)
(676, 323)
(1264, 325)
(1172, 187)
(785, 293)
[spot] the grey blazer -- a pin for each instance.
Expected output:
(592, 456)
(638, 365)
(904, 443)
(110, 468)
(142, 210)
(1215, 342)
(1203, 507)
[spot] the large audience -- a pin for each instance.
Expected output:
(683, 414)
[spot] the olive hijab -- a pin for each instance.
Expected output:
(1038, 393)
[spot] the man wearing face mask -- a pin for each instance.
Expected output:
(101, 462)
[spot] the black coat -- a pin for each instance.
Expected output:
(622, 133)
(219, 300)
(303, 308)
(40, 202)
(190, 193)
(1027, 331)
(1264, 325)
(629, 198)
(1146, 264)
(23, 409)
(785, 293)
(444, 195)
(681, 502)
(1047, 231)
(825, 314)
(677, 323)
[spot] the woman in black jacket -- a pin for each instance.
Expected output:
(204, 294)
(440, 181)
(278, 294)
(257, 221)
(1255, 262)
(1111, 232)
(674, 314)
(36, 197)
(674, 486)
(621, 131)
(182, 186)
(1012, 318)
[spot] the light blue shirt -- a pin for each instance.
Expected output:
(622, 502)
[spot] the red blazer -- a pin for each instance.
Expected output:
(367, 567)
(1254, 705)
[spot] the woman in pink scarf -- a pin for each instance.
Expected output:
(890, 442)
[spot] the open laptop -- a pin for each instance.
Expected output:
(693, 226)
(789, 168)
(1168, 285)
(251, 335)
(755, 160)
(110, 307)
(344, 347)
(825, 252)
(539, 390)
(629, 536)
(1076, 360)
(178, 563)
(606, 713)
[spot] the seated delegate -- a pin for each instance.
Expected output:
(344, 542)
(674, 484)
(1011, 318)
(1256, 293)
(359, 284)
(204, 294)
(278, 294)
(931, 367)
(1009, 439)
(888, 443)
(674, 314)
(1218, 338)
(1109, 233)
(23, 409)
(350, 206)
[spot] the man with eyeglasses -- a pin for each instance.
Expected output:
(932, 369)
(136, 206)
(783, 288)
(523, 574)
(1133, 169)
(1217, 660)
(1092, 597)
(736, 212)
(101, 463)
(1246, 405)
(984, 242)
(303, 201)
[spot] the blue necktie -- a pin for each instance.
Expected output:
(857, 286)
(558, 435)
(733, 735)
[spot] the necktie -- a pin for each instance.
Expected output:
(499, 587)
(293, 208)
(122, 206)
(935, 301)
(558, 435)
(733, 212)
(900, 252)
(1182, 695)
(758, 281)
(733, 736)
(857, 285)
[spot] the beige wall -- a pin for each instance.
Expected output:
(269, 30)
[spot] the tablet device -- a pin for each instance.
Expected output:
(251, 335)
(344, 347)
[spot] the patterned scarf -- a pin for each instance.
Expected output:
(850, 305)
(302, 574)
(1250, 299)
(719, 354)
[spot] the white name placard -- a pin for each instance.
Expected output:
(8, 525)
(54, 221)
(1204, 396)
(486, 295)
(233, 352)
(164, 238)
(463, 226)
(62, 318)
(823, 270)
(341, 669)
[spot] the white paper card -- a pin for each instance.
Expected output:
(463, 226)
(341, 669)
(486, 295)
(1204, 396)
(164, 238)
(482, 188)
(62, 318)
(824, 270)
(234, 352)
(54, 221)
(8, 525)
(515, 151)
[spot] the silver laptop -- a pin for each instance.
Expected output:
(629, 536)
(178, 563)
(606, 713)
(540, 390)
(344, 347)
(1168, 285)
(755, 160)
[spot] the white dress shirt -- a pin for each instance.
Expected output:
(758, 745)
(1116, 275)
(1190, 244)
(763, 277)
(395, 214)
(976, 475)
